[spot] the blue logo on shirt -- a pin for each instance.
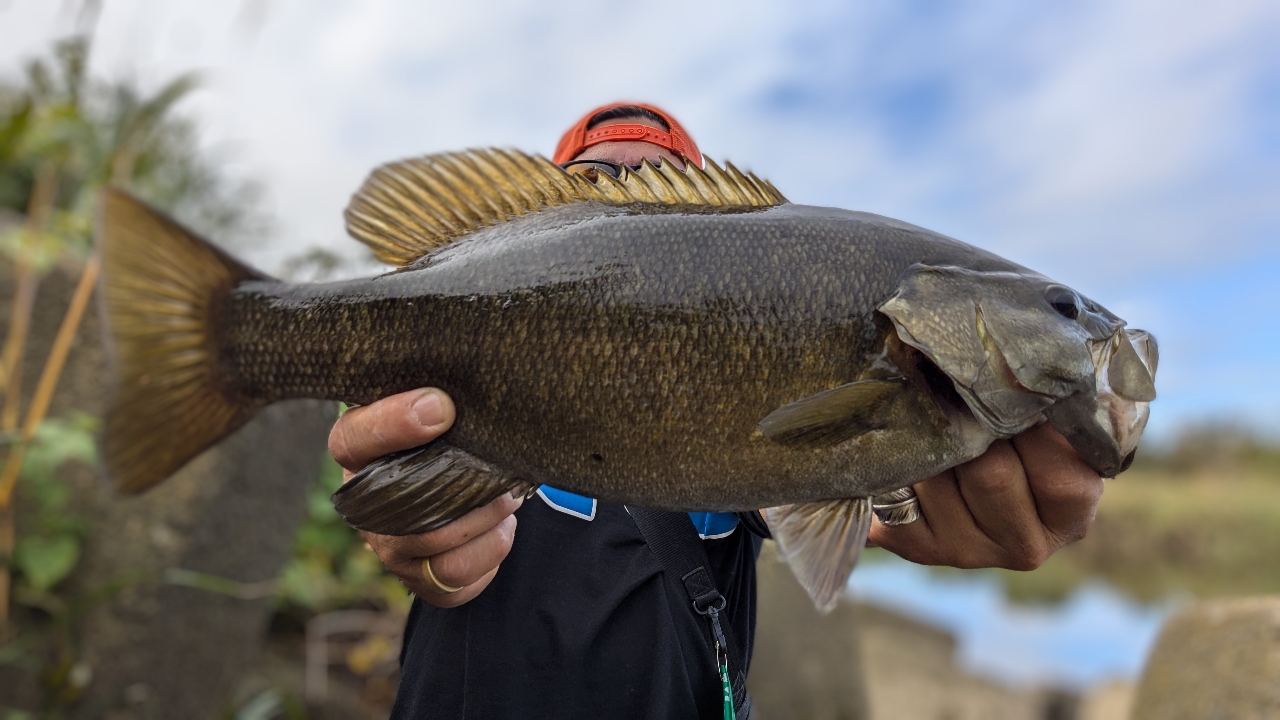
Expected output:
(569, 503)
(711, 526)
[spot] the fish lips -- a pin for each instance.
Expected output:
(1105, 426)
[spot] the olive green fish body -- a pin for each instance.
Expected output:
(620, 354)
(678, 339)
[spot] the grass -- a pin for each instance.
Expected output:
(1210, 531)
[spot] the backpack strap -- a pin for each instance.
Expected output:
(672, 537)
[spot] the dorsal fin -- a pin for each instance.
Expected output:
(406, 208)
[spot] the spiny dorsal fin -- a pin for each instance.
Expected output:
(407, 208)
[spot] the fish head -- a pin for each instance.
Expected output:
(1020, 348)
(1104, 427)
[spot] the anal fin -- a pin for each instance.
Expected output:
(831, 416)
(821, 541)
(422, 489)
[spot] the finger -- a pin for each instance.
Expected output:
(1066, 490)
(945, 534)
(412, 548)
(399, 422)
(996, 493)
(958, 541)
(475, 558)
(464, 595)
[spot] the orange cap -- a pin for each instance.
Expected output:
(579, 138)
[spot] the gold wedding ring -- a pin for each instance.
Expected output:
(434, 582)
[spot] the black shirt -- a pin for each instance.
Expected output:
(579, 622)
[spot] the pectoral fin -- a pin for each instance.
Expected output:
(420, 490)
(821, 541)
(832, 416)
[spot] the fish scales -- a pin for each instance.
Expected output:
(614, 338)
(652, 342)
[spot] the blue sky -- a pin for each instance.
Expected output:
(1129, 148)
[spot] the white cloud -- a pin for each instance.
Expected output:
(1105, 142)
(1115, 142)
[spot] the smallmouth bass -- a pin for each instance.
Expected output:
(684, 340)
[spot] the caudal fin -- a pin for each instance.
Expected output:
(165, 290)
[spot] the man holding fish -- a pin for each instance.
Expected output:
(1012, 507)
(676, 361)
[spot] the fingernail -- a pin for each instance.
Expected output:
(428, 410)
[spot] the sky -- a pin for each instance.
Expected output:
(1128, 148)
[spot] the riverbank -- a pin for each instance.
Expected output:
(1207, 532)
(867, 662)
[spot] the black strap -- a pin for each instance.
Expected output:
(672, 537)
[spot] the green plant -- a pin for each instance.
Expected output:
(332, 567)
(49, 548)
(63, 136)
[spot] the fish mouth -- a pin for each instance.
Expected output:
(1105, 426)
(1126, 386)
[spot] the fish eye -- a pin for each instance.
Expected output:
(1064, 300)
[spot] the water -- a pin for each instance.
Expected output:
(1096, 634)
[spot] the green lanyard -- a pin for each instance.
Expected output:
(722, 660)
(725, 686)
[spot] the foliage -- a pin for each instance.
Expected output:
(314, 265)
(332, 568)
(1198, 516)
(95, 132)
(50, 545)
(1214, 446)
(65, 134)
(1209, 533)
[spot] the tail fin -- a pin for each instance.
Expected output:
(164, 291)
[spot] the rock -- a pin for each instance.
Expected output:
(1217, 659)
(863, 662)
(912, 672)
(1109, 701)
(165, 650)
(804, 664)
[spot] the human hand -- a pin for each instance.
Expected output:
(466, 552)
(1012, 507)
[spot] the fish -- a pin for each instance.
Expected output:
(682, 339)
